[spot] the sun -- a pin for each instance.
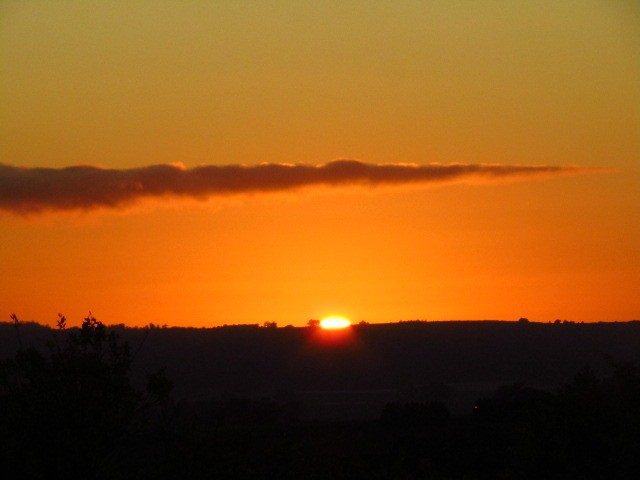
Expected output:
(335, 322)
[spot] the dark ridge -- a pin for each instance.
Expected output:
(454, 361)
(451, 400)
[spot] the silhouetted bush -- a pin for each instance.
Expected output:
(71, 411)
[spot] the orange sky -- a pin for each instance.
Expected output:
(125, 85)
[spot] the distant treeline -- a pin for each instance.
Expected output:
(69, 407)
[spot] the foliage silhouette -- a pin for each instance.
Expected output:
(71, 411)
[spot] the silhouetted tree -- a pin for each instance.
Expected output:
(67, 412)
(61, 323)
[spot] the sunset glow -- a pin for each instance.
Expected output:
(211, 163)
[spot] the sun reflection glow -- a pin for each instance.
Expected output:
(334, 323)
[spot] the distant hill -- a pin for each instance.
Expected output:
(453, 362)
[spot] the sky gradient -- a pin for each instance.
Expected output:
(207, 163)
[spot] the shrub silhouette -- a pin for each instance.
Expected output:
(71, 410)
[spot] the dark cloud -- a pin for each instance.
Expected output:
(33, 190)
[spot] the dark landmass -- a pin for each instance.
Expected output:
(413, 400)
(452, 362)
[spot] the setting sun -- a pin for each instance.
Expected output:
(334, 323)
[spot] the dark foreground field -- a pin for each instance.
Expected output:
(410, 400)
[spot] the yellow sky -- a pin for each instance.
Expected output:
(131, 84)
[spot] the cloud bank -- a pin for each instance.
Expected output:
(27, 191)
